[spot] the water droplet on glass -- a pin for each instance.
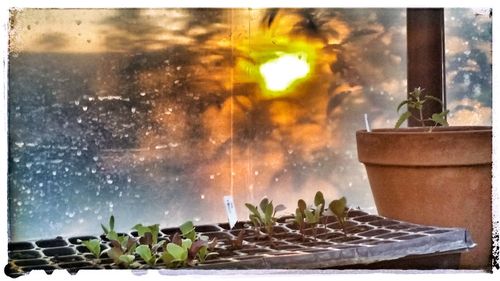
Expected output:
(78, 153)
(85, 108)
(212, 177)
(79, 120)
(19, 144)
(109, 181)
(77, 102)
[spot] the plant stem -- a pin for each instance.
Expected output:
(421, 117)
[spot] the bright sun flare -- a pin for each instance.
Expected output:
(281, 72)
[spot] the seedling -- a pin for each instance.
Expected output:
(145, 253)
(121, 252)
(319, 202)
(311, 216)
(183, 252)
(416, 100)
(300, 215)
(188, 250)
(152, 229)
(338, 208)
(238, 242)
(94, 246)
(265, 217)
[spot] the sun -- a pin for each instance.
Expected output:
(281, 73)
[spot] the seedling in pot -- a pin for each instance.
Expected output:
(338, 208)
(265, 217)
(416, 100)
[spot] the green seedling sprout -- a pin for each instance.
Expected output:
(338, 208)
(188, 249)
(416, 100)
(265, 217)
(121, 252)
(319, 202)
(94, 246)
(300, 215)
(142, 230)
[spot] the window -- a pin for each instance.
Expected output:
(468, 66)
(154, 114)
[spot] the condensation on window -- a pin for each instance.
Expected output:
(154, 115)
(468, 53)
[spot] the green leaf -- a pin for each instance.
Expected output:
(187, 243)
(177, 252)
(94, 246)
(112, 235)
(440, 118)
(319, 199)
(338, 207)
(145, 253)
(253, 209)
(106, 231)
(302, 205)
(310, 217)
(402, 118)
(155, 229)
(126, 259)
(157, 246)
(187, 230)
(263, 204)
(434, 99)
(112, 222)
(202, 254)
(256, 221)
(269, 212)
(401, 104)
(298, 216)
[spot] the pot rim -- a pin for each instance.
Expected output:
(424, 130)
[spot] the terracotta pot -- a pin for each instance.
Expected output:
(442, 178)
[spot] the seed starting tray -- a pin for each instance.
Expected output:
(370, 239)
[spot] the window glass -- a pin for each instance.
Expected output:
(154, 115)
(468, 66)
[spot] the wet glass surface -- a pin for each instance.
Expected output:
(153, 115)
(468, 66)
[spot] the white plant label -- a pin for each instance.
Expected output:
(230, 210)
(367, 123)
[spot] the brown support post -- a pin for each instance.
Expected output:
(425, 38)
